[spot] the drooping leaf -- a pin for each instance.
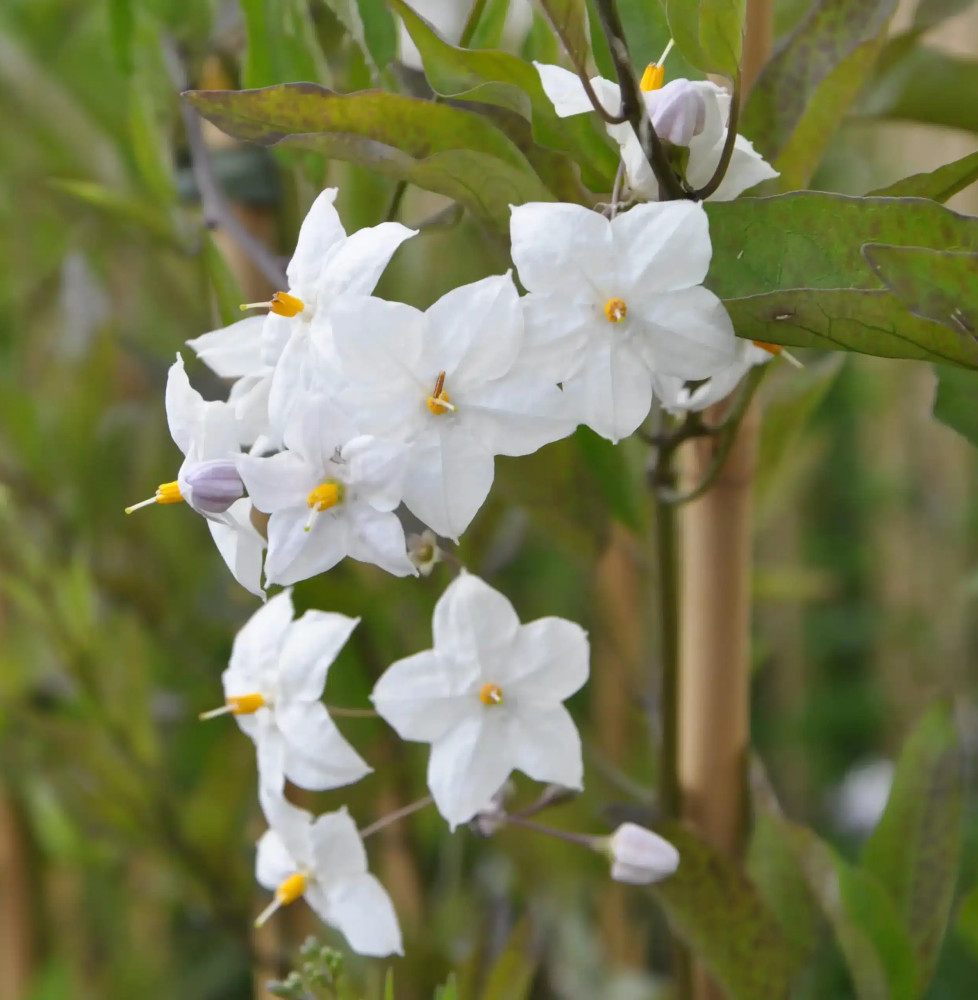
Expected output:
(347, 12)
(956, 402)
(506, 81)
(938, 185)
(925, 85)
(121, 25)
(933, 284)
(848, 319)
(831, 32)
(511, 975)
(709, 33)
(876, 947)
(718, 912)
(915, 849)
(647, 30)
(811, 239)
(379, 31)
(439, 148)
(569, 20)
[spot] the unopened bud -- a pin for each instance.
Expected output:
(639, 856)
(678, 112)
(423, 551)
(213, 486)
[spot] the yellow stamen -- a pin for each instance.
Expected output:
(288, 892)
(439, 401)
(491, 694)
(615, 310)
(776, 350)
(324, 496)
(281, 303)
(653, 77)
(165, 493)
(237, 704)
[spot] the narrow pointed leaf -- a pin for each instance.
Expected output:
(811, 239)
(938, 185)
(915, 851)
(831, 32)
(867, 322)
(718, 912)
(569, 20)
(709, 33)
(956, 402)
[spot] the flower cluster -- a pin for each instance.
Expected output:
(344, 408)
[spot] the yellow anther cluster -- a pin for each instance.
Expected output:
(491, 694)
(168, 493)
(770, 348)
(653, 77)
(324, 496)
(615, 310)
(283, 304)
(440, 403)
(245, 704)
(291, 889)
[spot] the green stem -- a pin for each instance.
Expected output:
(668, 594)
(475, 16)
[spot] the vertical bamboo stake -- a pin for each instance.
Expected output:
(714, 679)
(16, 906)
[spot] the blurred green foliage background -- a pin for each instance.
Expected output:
(126, 827)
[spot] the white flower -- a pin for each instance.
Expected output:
(615, 302)
(677, 397)
(330, 494)
(488, 698)
(326, 265)
(273, 686)
(323, 861)
(640, 856)
(444, 381)
(208, 480)
(424, 552)
(691, 113)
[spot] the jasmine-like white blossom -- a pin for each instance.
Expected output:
(322, 860)
(688, 113)
(270, 351)
(208, 480)
(330, 494)
(488, 698)
(444, 381)
(639, 856)
(613, 303)
(273, 686)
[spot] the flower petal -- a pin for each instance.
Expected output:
(378, 538)
(567, 93)
(295, 553)
(361, 910)
(354, 266)
(293, 825)
(473, 623)
(273, 863)
(317, 757)
(240, 545)
(311, 645)
(378, 343)
(256, 645)
(421, 697)
(234, 351)
(278, 482)
(184, 406)
(469, 764)
(338, 853)
(321, 230)
(548, 661)
(377, 470)
(545, 745)
(554, 335)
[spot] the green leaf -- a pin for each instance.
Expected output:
(956, 402)
(263, 58)
(848, 319)
(926, 85)
(227, 290)
(832, 31)
(938, 185)
(876, 948)
(788, 411)
(506, 81)
(709, 33)
(622, 488)
(347, 12)
(121, 26)
(915, 850)
(379, 31)
(511, 975)
(824, 113)
(937, 285)
(569, 20)
(811, 239)
(718, 912)
(647, 30)
(440, 148)
(967, 922)
(931, 12)
(122, 207)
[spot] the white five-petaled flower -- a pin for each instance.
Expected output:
(639, 856)
(269, 352)
(690, 113)
(330, 494)
(613, 303)
(323, 861)
(488, 698)
(208, 480)
(445, 382)
(273, 686)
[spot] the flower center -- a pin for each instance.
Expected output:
(165, 493)
(491, 694)
(653, 77)
(324, 496)
(615, 310)
(439, 401)
(236, 704)
(281, 303)
(770, 348)
(288, 892)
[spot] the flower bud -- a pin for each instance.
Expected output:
(639, 856)
(423, 551)
(678, 112)
(211, 487)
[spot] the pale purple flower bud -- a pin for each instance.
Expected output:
(211, 487)
(639, 856)
(678, 112)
